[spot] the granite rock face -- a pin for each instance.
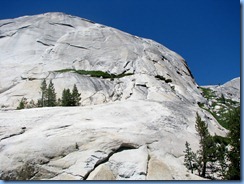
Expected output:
(34, 48)
(132, 125)
(230, 90)
(134, 139)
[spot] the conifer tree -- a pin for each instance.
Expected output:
(75, 97)
(233, 155)
(21, 104)
(51, 95)
(190, 157)
(43, 101)
(66, 98)
(202, 131)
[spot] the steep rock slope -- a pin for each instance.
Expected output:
(45, 46)
(145, 109)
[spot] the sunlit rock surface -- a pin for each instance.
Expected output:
(132, 127)
(230, 90)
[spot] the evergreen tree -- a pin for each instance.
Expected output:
(190, 157)
(51, 95)
(202, 131)
(207, 152)
(66, 98)
(221, 154)
(75, 97)
(213, 153)
(222, 98)
(70, 99)
(21, 104)
(43, 101)
(233, 155)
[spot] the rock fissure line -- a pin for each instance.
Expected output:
(45, 44)
(24, 27)
(8, 35)
(123, 146)
(76, 46)
(14, 134)
(61, 24)
(4, 24)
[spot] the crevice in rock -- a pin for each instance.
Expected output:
(142, 85)
(8, 34)
(126, 64)
(14, 134)
(45, 44)
(164, 58)
(88, 21)
(76, 46)
(148, 161)
(62, 24)
(24, 27)
(4, 24)
(123, 147)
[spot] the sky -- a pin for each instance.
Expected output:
(206, 33)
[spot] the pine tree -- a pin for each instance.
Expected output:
(233, 155)
(190, 157)
(221, 154)
(66, 98)
(43, 101)
(202, 131)
(75, 97)
(51, 95)
(207, 152)
(21, 104)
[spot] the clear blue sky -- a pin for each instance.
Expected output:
(206, 33)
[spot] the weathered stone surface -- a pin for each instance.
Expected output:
(76, 140)
(36, 47)
(130, 164)
(122, 122)
(102, 172)
(157, 170)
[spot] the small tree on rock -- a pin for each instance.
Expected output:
(206, 155)
(43, 101)
(51, 95)
(66, 98)
(22, 104)
(233, 155)
(75, 98)
(190, 157)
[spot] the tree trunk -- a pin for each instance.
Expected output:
(204, 169)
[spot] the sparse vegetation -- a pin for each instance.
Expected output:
(94, 73)
(22, 104)
(219, 107)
